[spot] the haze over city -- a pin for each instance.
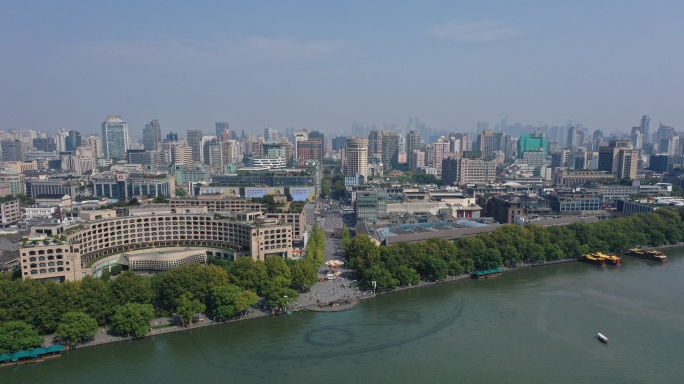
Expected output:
(323, 66)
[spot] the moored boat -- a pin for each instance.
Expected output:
(593, 259)
(602, 338)
(609, 259)
(648, 255)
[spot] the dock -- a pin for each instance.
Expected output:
(33, 356)
(487, 274)
(601, 259)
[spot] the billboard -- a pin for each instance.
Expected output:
(303, 194)
(261, 192)
(227, 191)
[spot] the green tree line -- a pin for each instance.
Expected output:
(333, 184)
(76, 309)
(315, 246)
(435, 259)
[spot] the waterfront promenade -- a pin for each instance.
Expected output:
(325, 296)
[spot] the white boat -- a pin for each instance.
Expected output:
(602, 338)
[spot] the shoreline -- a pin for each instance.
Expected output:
(680, 244)
(103, 338)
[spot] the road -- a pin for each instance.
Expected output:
(328, 216)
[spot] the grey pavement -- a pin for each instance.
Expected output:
(323, 292)
(104, 335)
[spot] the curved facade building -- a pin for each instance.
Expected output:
(85, 242)
(164, 260)
(267, 162)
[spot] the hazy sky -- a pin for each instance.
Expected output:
(324, 64)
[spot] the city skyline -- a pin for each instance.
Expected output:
(324, 66)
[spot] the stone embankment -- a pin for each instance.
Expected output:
(166, 325)
(663, 246)
(334, 306)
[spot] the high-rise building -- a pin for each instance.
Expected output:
(504, 144)
(665, 133)
(627, 166)
(271, 149)
(645, 122)
(152, 136)
(11, 150)
(114, 137)
(532, 143)
(412, 144)
(417, 159)
(619, 158)
(575, 137)
(338, 143)
(402, 146)
(533, 158)
(301, 135)
(560, 159)
(194, 140)
(597, 138)
(486, 143)
(316, 135)
(72, 141)
(464, 170)
(141, 156)
(355, 157)
(80, 162)
(232, 152)
(203, 145)
(94, 143)
(221, 127)
(44, 144)
(181, 154)
(212, 155)
(672, 146)
(637, 137)
(659, 163)
(371, 204)
(375, 147)
(271, 134)
(310, 150)
(390, 149)
(172, 136)
(458, 143)
(438, 151)
(60, 140)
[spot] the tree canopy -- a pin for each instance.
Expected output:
(133, 319)
(304, 275)
(131, 288)
(76, 327)
(18, 336)
(223, 301)
(510, 245)
(187, 307)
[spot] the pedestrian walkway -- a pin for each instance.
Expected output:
(168, 324)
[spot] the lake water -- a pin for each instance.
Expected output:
(534, 325)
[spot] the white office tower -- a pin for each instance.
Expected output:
(60, 140)
(355, 157)
(114, 137)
